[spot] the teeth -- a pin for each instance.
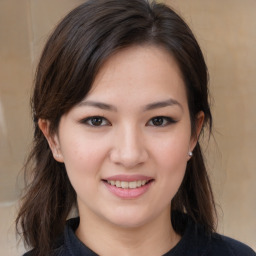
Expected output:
(126, 184)
(132, 184)
(118, 184)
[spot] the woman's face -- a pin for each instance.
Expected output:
(125, 146)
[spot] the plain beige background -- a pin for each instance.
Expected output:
(226, 31)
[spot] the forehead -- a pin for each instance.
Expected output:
(139, 72)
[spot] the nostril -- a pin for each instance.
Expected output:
(129, 157)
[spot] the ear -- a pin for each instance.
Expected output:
(52, 139)
(199, 125)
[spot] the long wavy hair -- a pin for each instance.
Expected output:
(69, 63)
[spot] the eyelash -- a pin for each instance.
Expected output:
(88, 121)
(166, 121)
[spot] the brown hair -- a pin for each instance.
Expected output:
(74, 53)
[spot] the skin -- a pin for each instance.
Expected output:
(128, 141)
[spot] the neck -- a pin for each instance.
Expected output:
(104, 238)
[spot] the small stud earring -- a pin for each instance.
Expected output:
(57, 155)
(190, 153)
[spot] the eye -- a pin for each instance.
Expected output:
(96, 121)
(161, 121)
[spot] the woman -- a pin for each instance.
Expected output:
(119, 103)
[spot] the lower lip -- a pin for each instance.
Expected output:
(128, 193)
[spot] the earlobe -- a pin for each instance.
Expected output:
(52, 139)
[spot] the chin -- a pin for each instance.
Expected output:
(129, 219)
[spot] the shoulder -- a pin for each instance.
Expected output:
(232, 247)
(197, 241)
(60, 251)
(56, 252)
(67, 244)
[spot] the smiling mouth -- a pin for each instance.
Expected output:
(128, 184)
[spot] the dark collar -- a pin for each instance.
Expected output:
(194, 240)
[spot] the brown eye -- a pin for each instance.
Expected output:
(161, 121)
(157, 121)
(96, 121)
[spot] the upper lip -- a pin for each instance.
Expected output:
(128, 178)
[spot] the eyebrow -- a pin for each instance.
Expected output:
(151, 106)
(162, 104)
(97, 104)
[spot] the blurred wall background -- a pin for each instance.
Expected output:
(226, 31)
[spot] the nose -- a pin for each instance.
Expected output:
(129, 148)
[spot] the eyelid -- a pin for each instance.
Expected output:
(89, 118)
(168, 120)
(105, 122)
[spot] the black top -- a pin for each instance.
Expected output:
(194, 242)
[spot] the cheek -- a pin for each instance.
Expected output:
(173, 149)
(172, 162)
(82, 158)
(74, 153)
(83, 162)
(171, 157)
